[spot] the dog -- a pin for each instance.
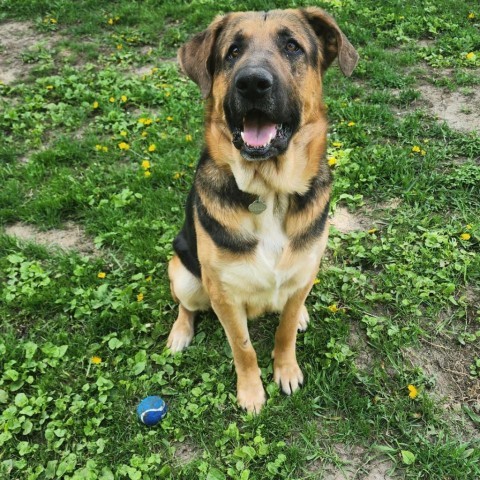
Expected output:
(256, 217)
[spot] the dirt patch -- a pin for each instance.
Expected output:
(15, 39)
(356, 463)
(460, 111)
(447, 364)
(72, 237)
(347, 222)
(186, 453)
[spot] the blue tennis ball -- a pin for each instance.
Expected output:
(151, 410)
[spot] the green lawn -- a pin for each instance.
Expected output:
(99, 136)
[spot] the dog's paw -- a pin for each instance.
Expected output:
(251, 395)
(288, 376)
(180, 337)
(303, 320)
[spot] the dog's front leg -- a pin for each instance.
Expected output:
(286, 372)
(250, 392)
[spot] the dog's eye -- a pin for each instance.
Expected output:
(292, 47)
(233, 52)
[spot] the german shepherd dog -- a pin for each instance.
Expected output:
(256, 221)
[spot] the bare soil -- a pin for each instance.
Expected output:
(17, 38)
(72, 237)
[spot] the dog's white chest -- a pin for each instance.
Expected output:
(265, 278)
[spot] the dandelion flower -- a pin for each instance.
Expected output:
(144, 134)
(152, 148)
(123, 133)
(470, 56)
(468, 227)
(188, 138)
(169, 119)
(176, 175)
(373, 230)
(316, 281)
(413, 392)
(49, 87)
(337, 144)
(147, 173)
(95, 104)
(471, 16)
(351, 124)
(333, 308)
(104, 149)
(140, 297)
(111, 99)
(332, 161)
(416, 149)
(110, 21)
(124, 98)
(98, 147)
(145, 164)
(149, 278)
(123, 146)
(101, 275)
(96, 360)
(465, 236)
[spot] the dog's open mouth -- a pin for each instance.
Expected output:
(260, 138)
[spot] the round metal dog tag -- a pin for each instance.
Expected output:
(257, 207)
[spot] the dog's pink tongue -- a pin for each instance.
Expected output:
(257, 133)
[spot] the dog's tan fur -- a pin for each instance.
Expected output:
(278, 273)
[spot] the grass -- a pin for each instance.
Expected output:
(104, 132)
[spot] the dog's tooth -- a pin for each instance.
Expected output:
(242, 135)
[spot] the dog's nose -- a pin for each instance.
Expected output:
(253, 82)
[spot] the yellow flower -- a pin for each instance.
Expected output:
(145, 121)
(373, 230)
(96, 360)
(49, 87)
(167, 94)
(119, 46)
(465, 236)
(111, 99)
(423, 153)
(147, 173)
(468, 227)
(101, 275)
(95, 104)
(470, 56)
(53, 20)
(337, 144)
(149, 278)
(332, 161)
(351, 124)
(123, 146)
(110, 21)
(177, 175)
(471, 16)
(169, 119)
(140, 297)
(123, 133)
(145, 164)
(416, 149)
(152, 148)
(333, 308)
(316, 281)
(413, 392)
(144, 134)
(98, 147)
(124, 98)
(188, 137)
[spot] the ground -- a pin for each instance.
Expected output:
(87, 229)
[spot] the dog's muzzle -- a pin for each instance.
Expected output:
(256, 113)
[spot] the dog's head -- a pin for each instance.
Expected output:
(262, 73)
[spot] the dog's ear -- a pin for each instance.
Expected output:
(196, 56)
(336, 43)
